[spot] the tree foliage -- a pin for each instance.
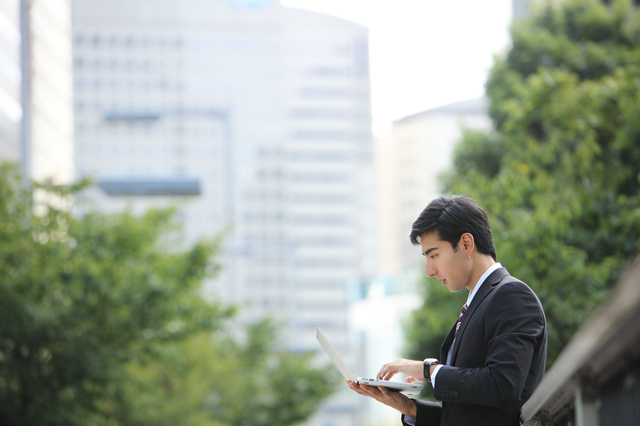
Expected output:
(560, 175)
(102, 324)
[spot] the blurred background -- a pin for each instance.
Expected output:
(191, 188)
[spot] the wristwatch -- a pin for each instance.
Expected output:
(427, 367)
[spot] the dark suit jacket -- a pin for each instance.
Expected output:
(498, 358)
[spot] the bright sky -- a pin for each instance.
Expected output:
(423, 53)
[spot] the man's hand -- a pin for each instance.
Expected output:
(413, 369)
(406, 406)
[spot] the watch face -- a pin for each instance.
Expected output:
(251, 4)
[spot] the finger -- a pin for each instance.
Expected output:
(392, 399)
(410, 379)
(370, 391)
(389, 375)
(363, 389)
(357, 389)
(353, 386)
(387, 394)
(388, 368)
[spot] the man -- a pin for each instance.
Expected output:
(495, 354)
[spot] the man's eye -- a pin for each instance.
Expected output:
(433, 256)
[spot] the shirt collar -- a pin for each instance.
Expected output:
(481, 280)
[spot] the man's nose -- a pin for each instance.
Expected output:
(429, 270)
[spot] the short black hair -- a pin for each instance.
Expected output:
(451, 217)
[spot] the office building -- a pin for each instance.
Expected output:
(254, 119)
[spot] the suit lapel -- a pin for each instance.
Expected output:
(484, 290)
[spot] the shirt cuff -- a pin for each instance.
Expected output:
(409, 420)
(434, 374)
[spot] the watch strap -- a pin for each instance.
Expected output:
(427, 368)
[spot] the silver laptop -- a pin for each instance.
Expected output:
(405, 388)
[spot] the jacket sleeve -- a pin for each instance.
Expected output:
(429, 414)
(493, 364)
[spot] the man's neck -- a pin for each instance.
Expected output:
(482, 263)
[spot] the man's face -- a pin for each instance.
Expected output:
(451, 268)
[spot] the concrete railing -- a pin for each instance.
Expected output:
(596, 379)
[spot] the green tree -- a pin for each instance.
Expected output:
(80, 298)
(560, 175)
(92, 307)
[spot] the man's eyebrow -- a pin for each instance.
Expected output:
(429, 251)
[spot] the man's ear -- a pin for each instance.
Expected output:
(467, 242)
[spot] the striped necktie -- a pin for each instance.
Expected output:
(462, 312)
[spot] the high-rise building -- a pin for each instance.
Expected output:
(253, 118)
(409, 162)
(36, 107)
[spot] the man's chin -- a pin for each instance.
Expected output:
(453, 289)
